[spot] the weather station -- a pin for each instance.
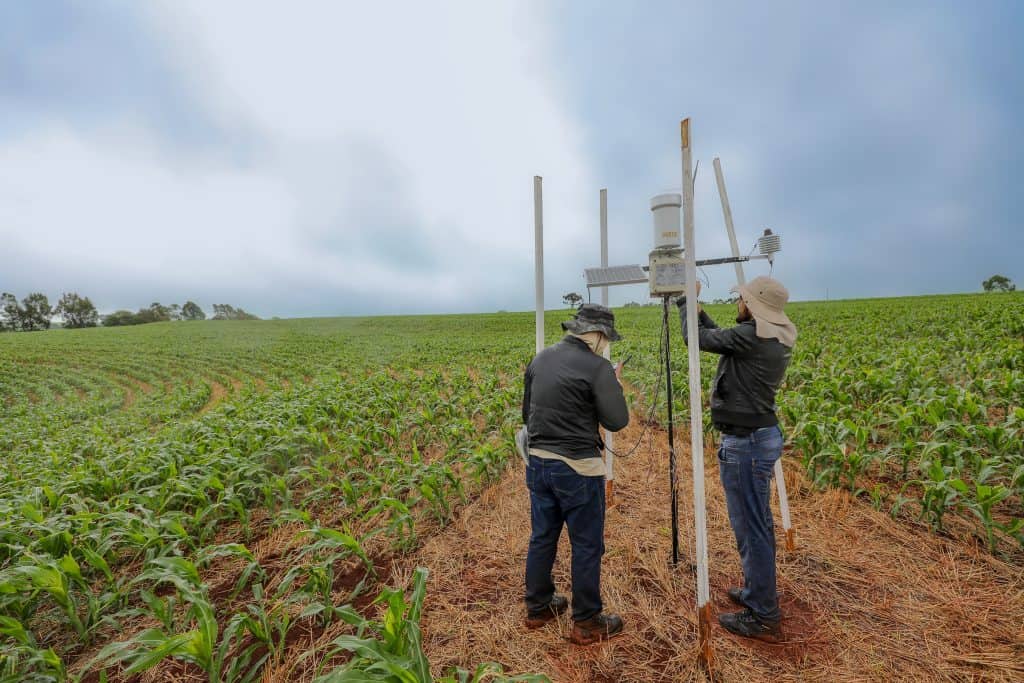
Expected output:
(671, 271)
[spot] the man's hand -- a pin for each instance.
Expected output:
(618, 371)
(681, 301)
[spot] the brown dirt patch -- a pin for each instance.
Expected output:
(129, 398)
(217, 394)
(864, 597)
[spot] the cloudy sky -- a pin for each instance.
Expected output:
(335, 158)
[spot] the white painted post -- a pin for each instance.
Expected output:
(538, 258)
(780, 480)
(609, 437)
(696, 412)
(727, 212)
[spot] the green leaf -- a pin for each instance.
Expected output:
(12, 628)
(96, 561)
(32, 513)
(166, 647)
(70, 567)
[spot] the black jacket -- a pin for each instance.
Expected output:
(749, 373)
(567, 392)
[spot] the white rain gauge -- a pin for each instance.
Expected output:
(671, 271)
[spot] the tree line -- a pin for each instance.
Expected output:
(34, 312)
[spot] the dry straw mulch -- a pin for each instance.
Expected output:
(865, 598)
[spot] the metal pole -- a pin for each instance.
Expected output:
(538, 258)
(780, 480)
(696, 412)
(609, 437)
(672, 479)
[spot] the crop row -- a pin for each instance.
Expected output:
(105, 528)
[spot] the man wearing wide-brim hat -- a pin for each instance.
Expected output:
(754, 357)
(570, 390)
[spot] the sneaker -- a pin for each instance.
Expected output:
(558, 605)
(596, 629)
(744, 623)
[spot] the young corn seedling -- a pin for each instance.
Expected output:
(985, 498)
(941, 492)
(396, 654)
(203, 646)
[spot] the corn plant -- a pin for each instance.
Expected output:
(391, 649)
(204, 645)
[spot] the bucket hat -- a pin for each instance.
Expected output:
(766, 298)
(593, 318)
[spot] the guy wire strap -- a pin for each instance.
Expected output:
(696, 414)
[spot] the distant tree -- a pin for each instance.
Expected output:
(77, 311)
(145, 316)
(175, 311)
(10, 313)
(572, 300)
(33, 313)
(631, 304)
(223, 312)
(36, 312)
(160, 312)
(229, 312)
(191, 311)
(998, 283)
(119, 318)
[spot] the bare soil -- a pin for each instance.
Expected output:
(217, 394)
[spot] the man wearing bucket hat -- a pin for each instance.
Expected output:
(754, 357)
(569, 390)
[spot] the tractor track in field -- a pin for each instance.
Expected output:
(864, 597)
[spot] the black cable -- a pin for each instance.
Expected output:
(671, 437)
(706, 278)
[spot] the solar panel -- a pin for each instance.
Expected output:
(615, 275)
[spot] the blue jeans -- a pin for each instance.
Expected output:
(747, 465)
(558, 495)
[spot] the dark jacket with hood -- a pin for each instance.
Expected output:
(748, 377)
(568, 391)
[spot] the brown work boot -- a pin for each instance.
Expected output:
(557, 606)
(596, 629)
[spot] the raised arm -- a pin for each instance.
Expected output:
(727, 341)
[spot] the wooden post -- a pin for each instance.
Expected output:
(780, 480)
(696, 411)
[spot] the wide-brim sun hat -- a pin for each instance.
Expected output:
(766, 298)
(593, 318)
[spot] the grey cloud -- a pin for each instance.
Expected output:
(873, 137)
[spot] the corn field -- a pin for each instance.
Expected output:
(198, 495)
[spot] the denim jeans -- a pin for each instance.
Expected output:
(747, 465)
(558, 495)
